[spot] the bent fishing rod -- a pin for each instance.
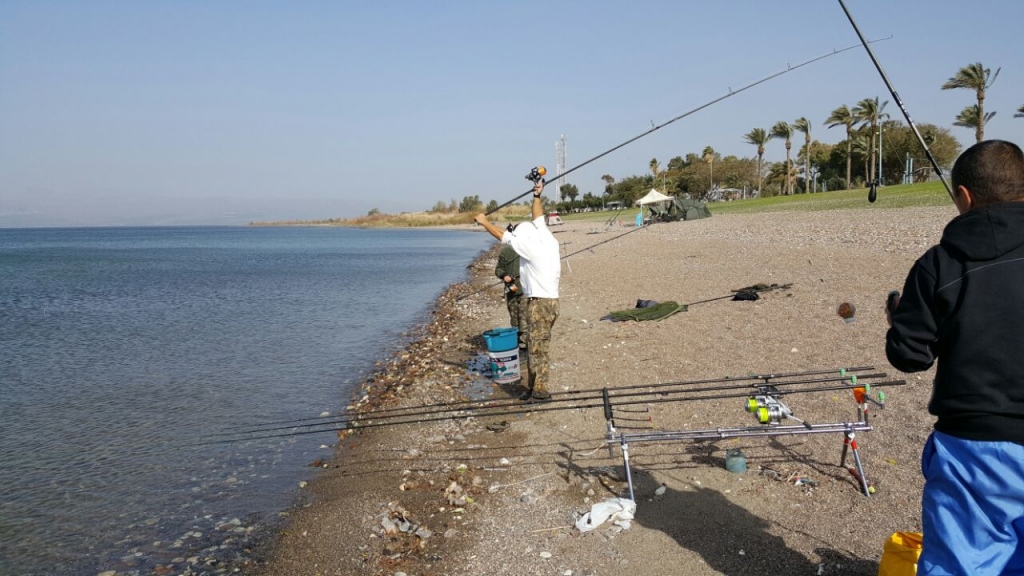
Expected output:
(730, 94)
(873, 193)
(547, 407)
(752, 381)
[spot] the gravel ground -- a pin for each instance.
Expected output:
(486, 502)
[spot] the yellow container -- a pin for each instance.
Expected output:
(900, 554)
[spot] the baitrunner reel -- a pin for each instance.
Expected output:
(510, 287)
(537, 175)
(770, 410)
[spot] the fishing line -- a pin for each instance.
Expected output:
(730, 94)
(899, 102)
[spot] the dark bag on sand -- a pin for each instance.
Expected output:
(746, 295)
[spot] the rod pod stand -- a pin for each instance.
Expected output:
(610, 437)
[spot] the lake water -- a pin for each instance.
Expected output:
(120, 348)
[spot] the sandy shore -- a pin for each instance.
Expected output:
(484, 502)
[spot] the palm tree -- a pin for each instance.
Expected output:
(1020, 112)
(708, 156)
(784, 131)
(970, 117)
(655, 167)
(758, 137)
(843, 117)
(802, 125)
(869, 111)
(862, 147)
(974, 77)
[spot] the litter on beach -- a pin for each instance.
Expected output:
(619, 510)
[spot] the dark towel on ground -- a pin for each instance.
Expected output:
(656, 312)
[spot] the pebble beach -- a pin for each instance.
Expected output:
(500, 494)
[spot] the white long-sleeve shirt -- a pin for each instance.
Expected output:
(540, 262)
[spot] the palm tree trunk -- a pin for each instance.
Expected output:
(760, 174)
(849, 157)
(979, 132)
(789, 181)
(807, 165)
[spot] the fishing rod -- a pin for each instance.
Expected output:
(541, 408)
(455, 411)
(730, 94)
(474, 404)
(873, 193)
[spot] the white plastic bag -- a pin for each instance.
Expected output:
(619, 510)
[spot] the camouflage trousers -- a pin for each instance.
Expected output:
(540, 317)
(517, 316)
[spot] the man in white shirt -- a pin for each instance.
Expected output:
(540, 271)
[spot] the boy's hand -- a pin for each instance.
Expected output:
(891, 302)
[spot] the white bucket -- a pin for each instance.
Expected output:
(505, 365)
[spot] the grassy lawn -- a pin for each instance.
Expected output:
(889, 197)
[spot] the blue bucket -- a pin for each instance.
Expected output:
(502, 339)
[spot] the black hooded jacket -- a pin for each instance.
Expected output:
(963, 305)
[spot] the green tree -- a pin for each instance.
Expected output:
(802, 125)
(492, 206)
(609, 181)
(842, 116)
(708, 155)
(470, 204)
(901, 142)
(978, 78)
(676, 164)
(862, 148)
(775, 182)
(758, 137)
(655, 167)
(373, 212)
(784, 131)
(568, 191)
(970, 117)
(869, 111)
(440, 207)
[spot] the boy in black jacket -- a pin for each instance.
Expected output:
(963, 306)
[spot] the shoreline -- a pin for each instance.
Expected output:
(528, 483)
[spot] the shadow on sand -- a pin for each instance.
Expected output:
(706, 522)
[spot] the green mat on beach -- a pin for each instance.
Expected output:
(656, 312)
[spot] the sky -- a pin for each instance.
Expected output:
(120, 113)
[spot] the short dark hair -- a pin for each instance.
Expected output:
(992, 170)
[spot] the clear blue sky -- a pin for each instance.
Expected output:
(190, 112)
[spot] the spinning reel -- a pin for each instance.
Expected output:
(770, 410)
(537, 175)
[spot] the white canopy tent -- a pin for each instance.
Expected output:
(652, 197)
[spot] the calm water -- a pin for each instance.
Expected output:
(120, 348)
